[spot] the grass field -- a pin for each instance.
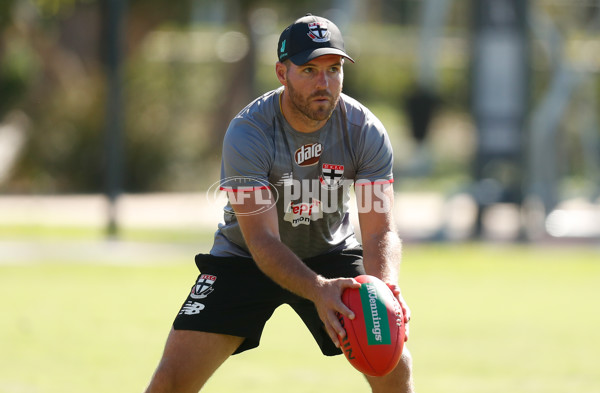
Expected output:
(486, 318)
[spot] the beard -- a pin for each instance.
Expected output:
(310, 109)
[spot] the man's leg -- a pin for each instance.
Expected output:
(398, 381)
(189, 359)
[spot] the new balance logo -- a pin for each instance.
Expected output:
(191, 308)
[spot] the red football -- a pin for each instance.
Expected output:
(375, 337)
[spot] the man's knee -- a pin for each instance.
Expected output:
(189, 359)
(405, 363)
(399, 380)
(163, 380)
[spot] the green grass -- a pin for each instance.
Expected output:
(75, 233)
(489, 319)
(485, 319)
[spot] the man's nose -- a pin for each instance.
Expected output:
(322, 80)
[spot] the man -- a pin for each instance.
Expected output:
(289, 159)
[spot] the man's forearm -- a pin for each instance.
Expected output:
(278, 262)
(382, 253)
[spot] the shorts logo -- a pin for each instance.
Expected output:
(318, 32)
(308, 154)
(191, 308)
(203, 286)
(331, 175)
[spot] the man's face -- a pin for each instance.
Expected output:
(314, 88)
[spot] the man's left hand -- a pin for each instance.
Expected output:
(405, 309)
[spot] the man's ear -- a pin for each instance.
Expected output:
(281, 71)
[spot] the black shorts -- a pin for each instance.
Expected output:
(232, 296)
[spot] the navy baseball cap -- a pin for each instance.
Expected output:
(309, 37)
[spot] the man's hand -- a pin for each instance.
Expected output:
(405, 309)
(328, 301)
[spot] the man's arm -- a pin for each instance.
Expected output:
(276, 260)
(382, 248)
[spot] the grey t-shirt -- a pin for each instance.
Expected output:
(309, 174)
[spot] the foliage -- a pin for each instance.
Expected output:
(178, 100)
(175, 88)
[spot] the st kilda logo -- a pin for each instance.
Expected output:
(318, 32)
(308, 154)
(331, 176)
(203, 287)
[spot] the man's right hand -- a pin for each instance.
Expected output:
(328, 301)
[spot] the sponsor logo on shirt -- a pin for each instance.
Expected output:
(303, 213)
(308, 154)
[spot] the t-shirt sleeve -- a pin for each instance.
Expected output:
(375, 157)
(246, 160)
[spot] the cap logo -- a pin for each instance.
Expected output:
(318, 32)
(282, 52)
